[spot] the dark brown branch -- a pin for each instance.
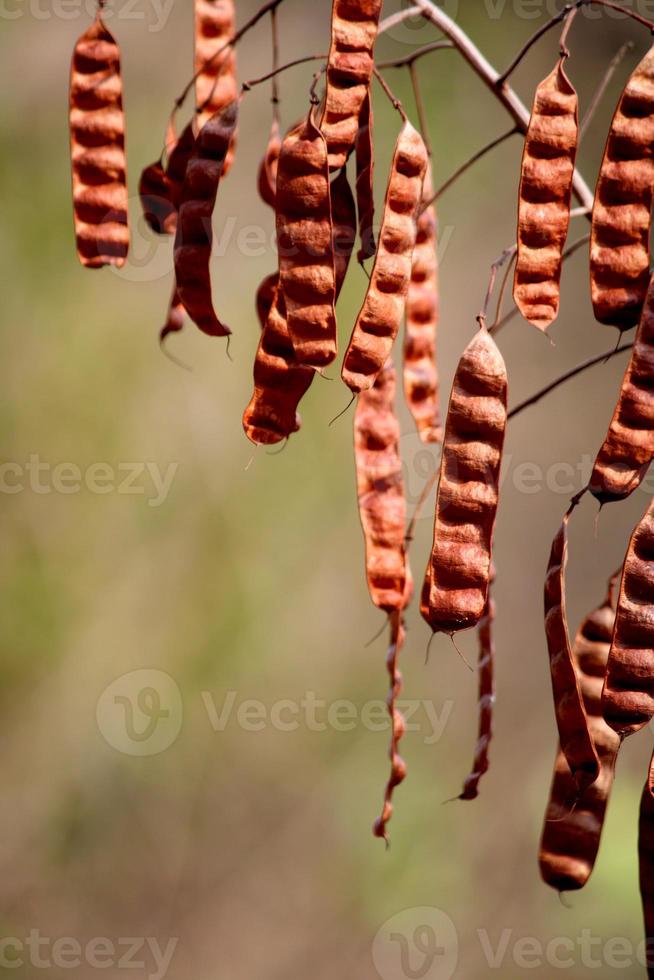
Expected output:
(601, 89)
(246, 86)
(393, 100)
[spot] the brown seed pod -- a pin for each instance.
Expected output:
(267, 176)
(646, 865)
(383, 307)
(97, 146)
(619, 248)
(349, 70)
(194, 233)
(548, 165)
(380, 491)
(571, 718)
(215, 85)
(573, 822)
(422, 314)
(628, 696)
(174, 318)
(156, 200)
(458, 572)
(266, 297)
(485, 668)
(365, 189)
(304, 241)
(178, 159)
(398, 724)
(628, 448)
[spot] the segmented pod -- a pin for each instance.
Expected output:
(398, 724)
(628, 448)
(365, 189)
(267, 176)
(178, 160)
(458, 574)
(573, 822)
(383, 307)
(156, 200)
(304, 241)
(646, 866)
(548, 165)
(619, 248)
(422, 313)
(215, 84)
(97, 146)
(349, 69)
(486, 671)
(628, 696)
(194, 234)
(571, 718)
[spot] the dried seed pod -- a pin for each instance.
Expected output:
(548, 165)
(304, 241)
(383, 307)
(619, 248)
(194, 234)
(97, 145)
(178, 160)
(380, 490)
(628, 696)
(343, 227)
(485, 667)
(422, 314)
(398, 725)
(646, 865)
(571, 718)
(628, 448)
(573, 823)
(458, 573)
(174, 318)
(266, 297)
(156, 200)
(349, 70)
(267, 176)
(215, 84)
(365, 189)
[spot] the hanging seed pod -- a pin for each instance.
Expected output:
(215, 85)
(646, 865)
(174, 318)
(398, 724)
(178, 160)
(267, 176)
(548, 166)
(486, 670)
(619, 248)
(365, 189)
(97, 144)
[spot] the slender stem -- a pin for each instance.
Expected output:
(395, 19)
(524, 51)
(274, 31)
(410, 59)
(623, 10)
(507, 254)
(469, 163)
(567, 24)
(502, 293)
(572, 373)
(395, 102)
(253, 82)
(601, 89)
(420, 107)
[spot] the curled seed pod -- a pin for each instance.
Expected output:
(629, 445)
(398, 724)
(383, 307)
(365, 189)
(156, 200)
(646, 865)
(304, 241)
(571, 718)
(458, 573)
(178, 159)
(485, 667)
(267, 177)
(548, 165)
(174, 318)
(215, 83)
(97, 146)
(266, 297)
(628, 696)
(349, 70)
(619, 247)
(573, 823)
(422, 314)
(194, 234)
(380, 491)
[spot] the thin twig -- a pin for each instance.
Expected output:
(251, 83)
(410, 59)
(420, 107)
(604, 84)
(507, 254)
(469, 163)
(526, 48)
(394, 101)
(274, 31)
(502, 292)
(564, 51)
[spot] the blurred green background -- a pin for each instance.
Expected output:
(253, 848)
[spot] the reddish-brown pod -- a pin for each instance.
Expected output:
(548, 165)
(571, 718)
(574, 822)
(422, 313)
(304, 242)
(380, 490)
(344, 226)
(267, 176)
(215, 84)
(365, 188)
(458, 572)
(194, 233)
(486, 671)
(97, 145)
(383, 308)
(156, 200)
(628, 448)
(619, 247)
(265, 297)
(398, 724)
(628, 696)
(349, 70)
(174, 318)
(178, 158)
(646, 866)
